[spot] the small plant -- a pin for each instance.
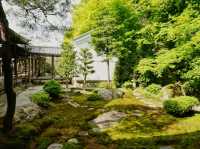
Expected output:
(154, 88)
(180, 106)
(53, 88)
(41, 98)
(94, 97)
(71, 146)
(128, 85)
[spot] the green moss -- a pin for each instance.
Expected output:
(26, 131)
(123, 103)
(43, 143)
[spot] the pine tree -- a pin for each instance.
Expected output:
(86, 67)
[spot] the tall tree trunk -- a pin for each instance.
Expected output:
(84, 81)
(11, 96)
(7, 70)
(67, 83)
(108, 71)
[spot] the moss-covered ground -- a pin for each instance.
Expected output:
(143, 127)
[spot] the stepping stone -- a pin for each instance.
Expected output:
(108, 119)
(166, 147)
(55, 146)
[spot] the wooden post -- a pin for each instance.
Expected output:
(32, 66)
(15, 70)
(53, 68)
(35, 71)
(29, 69)
(11, 95)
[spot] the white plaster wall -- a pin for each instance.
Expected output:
(100, 67)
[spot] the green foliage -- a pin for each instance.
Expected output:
(102, 85)
(180, 106)
(128, 85)
(192, 76)
(41, 98)
(67, 64)
(53, 88)
(71, 146)
(155, 41)
(154, 88)
(43, 143)
(86, 61)
(26, 131)
(94, 97)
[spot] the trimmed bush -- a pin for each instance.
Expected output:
(94, 97)
(154, 88)
(41, 98)
(53, 88)
(128, 85)
(180, 106)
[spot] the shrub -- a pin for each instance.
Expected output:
(102, 85)
(180, 106)
(41, 98)
(153, 88)
(71, 146)
(53, 88)
(128, 85)
(94, 97)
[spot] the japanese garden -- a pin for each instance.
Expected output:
(99, 74)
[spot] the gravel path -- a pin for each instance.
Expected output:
(21, 100)
(24, 97)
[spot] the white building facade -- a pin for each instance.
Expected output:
(100, 66)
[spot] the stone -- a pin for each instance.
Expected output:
(73, 141)
(83, 133)
(137, 114)
(166, 147)
(95, 131)
(108, 119)
(109, 94)
(74, 104)
(138, 95)
(55, 146)
(27, 112)
(196, 108)
(118, 93)
(166, 92)
(106, 94)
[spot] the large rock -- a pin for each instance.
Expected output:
(108, 94)
(55, 146)
(196, 108)
(108, 119)
(73, 141)
(166, 147)
(167, 92)
(27, 112)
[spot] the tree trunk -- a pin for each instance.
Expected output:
(84, 81)
(108, 71)
(67, 83)
(7, 70)
(11, 96)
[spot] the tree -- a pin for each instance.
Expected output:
(4, 38)
(102, 38)
(68, 66)
(85, 64)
